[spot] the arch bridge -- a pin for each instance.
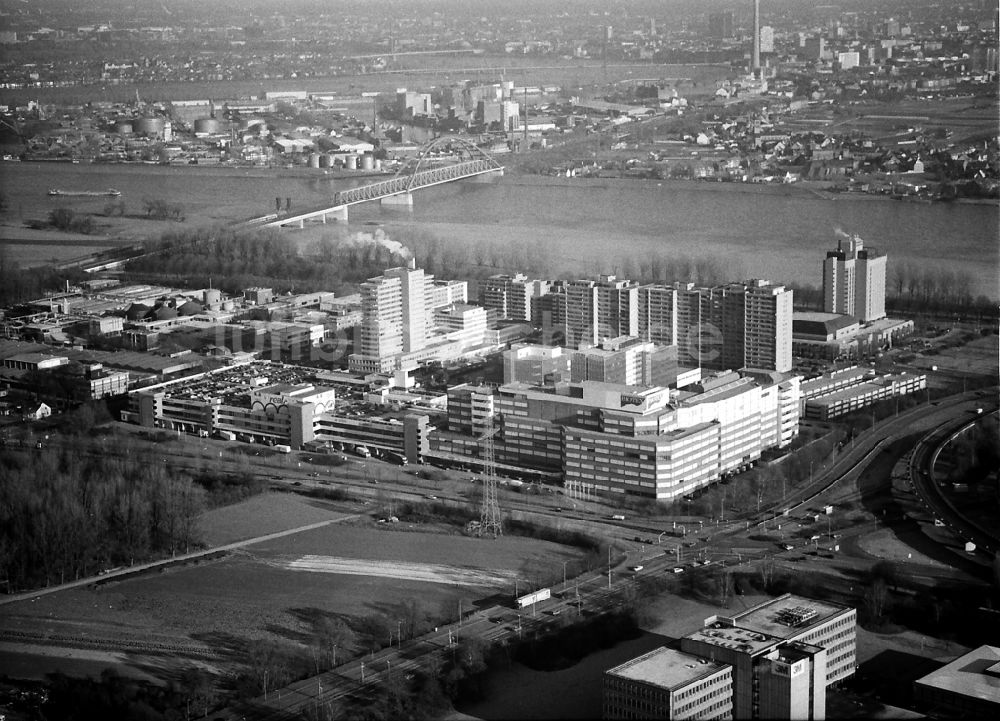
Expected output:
(423, 171)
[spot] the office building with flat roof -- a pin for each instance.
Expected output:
(535, 364)
(828, 625)
(627, 360)
(651, 441)
(968, 687)
(785, 653)
(668, 684)
(854, 280)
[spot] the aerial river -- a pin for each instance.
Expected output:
(582, 226)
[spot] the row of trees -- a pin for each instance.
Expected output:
(234, 259)
(926, 287)
(73, 512)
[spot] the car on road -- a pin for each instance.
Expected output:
(677, 569)
(636, 569)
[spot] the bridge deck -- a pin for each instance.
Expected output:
(384, 189)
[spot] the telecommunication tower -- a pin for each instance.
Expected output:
(489, 516)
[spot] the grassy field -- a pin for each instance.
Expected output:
(252, 594)
(258, 516)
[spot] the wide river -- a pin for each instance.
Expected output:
(583, 226)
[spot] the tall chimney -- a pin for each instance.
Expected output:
(756, 39)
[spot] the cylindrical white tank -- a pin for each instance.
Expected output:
(367, 162)
(351, 162)
(123, 128)
(314, 160)
(212, 296)
(228, 305)
(378, 163)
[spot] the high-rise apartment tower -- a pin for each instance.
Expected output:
(854, 280)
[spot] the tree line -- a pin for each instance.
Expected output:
(66, 513)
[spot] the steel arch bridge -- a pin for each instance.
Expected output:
(420, 172)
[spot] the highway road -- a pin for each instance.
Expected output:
(928, 486)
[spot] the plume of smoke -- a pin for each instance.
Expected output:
(380, 238)
(839, 232)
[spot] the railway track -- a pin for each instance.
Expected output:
(123, 645)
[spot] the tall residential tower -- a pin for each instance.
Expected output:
(854, 280)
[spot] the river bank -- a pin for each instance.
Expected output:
(780, 232)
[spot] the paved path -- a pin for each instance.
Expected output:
(168, 561)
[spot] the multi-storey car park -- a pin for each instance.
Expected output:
(277, 404)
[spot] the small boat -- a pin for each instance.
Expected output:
(85, 193)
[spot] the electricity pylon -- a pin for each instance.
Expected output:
(489, 516)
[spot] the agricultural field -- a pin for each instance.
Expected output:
(277, 589)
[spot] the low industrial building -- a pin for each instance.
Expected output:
(847, 390)
(832, 336)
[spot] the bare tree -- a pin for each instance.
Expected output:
(766, 569)
(877, 599)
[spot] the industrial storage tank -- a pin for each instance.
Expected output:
(123, 128)
(149, 126)
(212, 296)
(367, 162)
(190, 308)
(137, 311)
(228, 306)
(378, 163)
(351, 162)
(314, 160)
(325, 160)
(208, 126)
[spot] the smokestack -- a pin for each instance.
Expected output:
(756, 39)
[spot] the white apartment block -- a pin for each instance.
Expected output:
(510, 295)
(596, 310)
(399, 326)
(730, 326)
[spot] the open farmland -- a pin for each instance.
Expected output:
(217, 608)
